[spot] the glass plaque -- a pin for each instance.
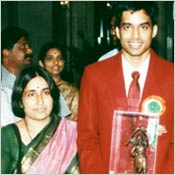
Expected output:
(133, 143)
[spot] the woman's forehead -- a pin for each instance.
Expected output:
(37, 82)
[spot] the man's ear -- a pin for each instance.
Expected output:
(5, 55)
(155, 31)
(117, 32)
(6, 52)
(40, 63)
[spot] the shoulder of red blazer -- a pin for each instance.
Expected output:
(105, 65)
(160, 60)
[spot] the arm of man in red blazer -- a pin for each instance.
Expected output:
(170, 157)
(91, 161)
(169, 163)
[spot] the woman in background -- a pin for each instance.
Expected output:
(51, 59)
(42, 142)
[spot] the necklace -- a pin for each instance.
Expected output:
(27, 129)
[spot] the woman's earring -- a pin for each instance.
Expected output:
(21, 105)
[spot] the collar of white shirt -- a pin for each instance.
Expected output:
(128, 69)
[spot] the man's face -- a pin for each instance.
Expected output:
(113, 31)
(136, 33)
(21, 54)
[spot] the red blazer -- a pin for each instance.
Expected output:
(102, 91)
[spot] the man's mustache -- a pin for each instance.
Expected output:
(28, 56)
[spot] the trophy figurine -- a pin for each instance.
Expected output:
(140, 142)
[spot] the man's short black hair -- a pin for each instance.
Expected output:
(10, 36)
(148, 6)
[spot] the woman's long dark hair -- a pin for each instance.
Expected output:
(21, 82)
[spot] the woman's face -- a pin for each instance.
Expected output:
(37, 100)
(53, 61)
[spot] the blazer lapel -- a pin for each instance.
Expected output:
(116, 88)
(153, 80)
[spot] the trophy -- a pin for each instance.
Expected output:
(134, 142)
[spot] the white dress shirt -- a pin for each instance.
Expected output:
(127, 72)
(108, 54)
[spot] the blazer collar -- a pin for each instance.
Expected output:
(153, 78)
(116, 87)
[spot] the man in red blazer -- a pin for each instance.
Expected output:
(105, 86)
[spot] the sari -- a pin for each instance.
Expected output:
(54, 153)
(71, 96)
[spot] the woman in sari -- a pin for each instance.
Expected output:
(41, 142)
(51, 59)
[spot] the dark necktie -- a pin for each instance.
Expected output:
(134, 92)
